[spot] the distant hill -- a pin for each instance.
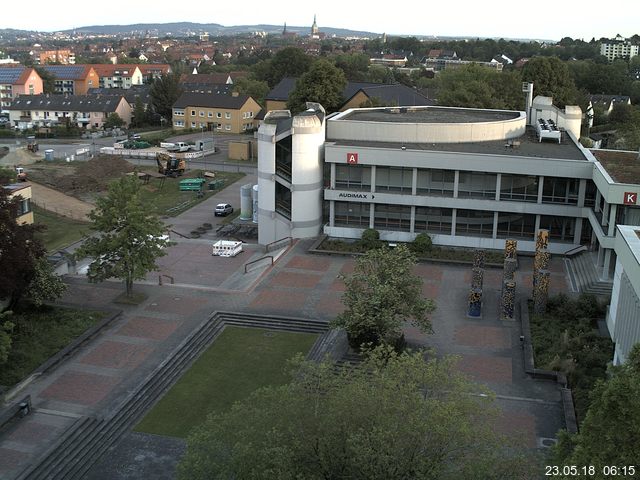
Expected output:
(184, 28)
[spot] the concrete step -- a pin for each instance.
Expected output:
(586, 275)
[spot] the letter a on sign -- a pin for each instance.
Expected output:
(352, 158)
(630, 198)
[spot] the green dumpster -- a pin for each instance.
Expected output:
(191, 184)
(216, 184)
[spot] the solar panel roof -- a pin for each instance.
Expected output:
(10, 74)
(65, 72)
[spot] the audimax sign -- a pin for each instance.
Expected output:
(363, 196)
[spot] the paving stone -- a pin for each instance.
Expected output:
(318, 264)
(297, 280)
(80, 387)
(146, 327)
(110, 354)
(483, 336)
(483, 368)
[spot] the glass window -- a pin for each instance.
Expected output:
(201, 113)
(433, 220)
(435, 182)
(193, 124)
(353, 177)
(392, 217)
(394, 179)
(227, 115)
(560, 228)
(227, 127)
(474, 223)
(590, 194)
(477, 185)
(516, 225)
(351, 214)
(218, 115)
(193, 112)
(520, 188)
(560, 190)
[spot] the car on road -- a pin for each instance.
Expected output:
(135, 136)
(223, 209)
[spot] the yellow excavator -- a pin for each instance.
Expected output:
(170, 166)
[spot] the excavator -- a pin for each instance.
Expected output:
(170, 166)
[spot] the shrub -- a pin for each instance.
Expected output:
(421, 244)
(370, 239)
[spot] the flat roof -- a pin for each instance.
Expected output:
(528, 147)
(622, 167)
(430, 115)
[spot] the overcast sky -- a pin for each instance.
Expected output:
(490, 18)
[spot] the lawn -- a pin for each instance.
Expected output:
(168, 200)
(61, 231)
(40, 333)
(239, 361)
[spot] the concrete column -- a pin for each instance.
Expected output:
(604, 274)
(454, 212)
(372, 213)
(456, 183)
(600, 259)
(582, 192)
(605, 215)
(596, 207)
(578, 231)
(613, 209)
(498, 182)
(332, 211)
(332, 183)
(540, 188)
(412, 226)
(494, 234)
(414, 184)
(537, 223)
(373, 179)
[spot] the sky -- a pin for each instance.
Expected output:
(550, 20)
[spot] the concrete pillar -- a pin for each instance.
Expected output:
(332, 213)
(498, 182)
(577, 234)
(613, 209)
(372, 214)
(332, 183)
(582, 192)
(373, 179)
(454, 212)
(537, 224)
(596, 207)
(412, 225)
(494, 234)
(414, 183)
(605, 214)
(540, 188)
(607, 264)
(456, 183)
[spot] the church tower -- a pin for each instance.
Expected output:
(314, 27)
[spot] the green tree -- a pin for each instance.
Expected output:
(355, 66)
(48, 80)
(256, 89)
(381, 294)
(139, 117)
(323, 83)
(551, 78)
(130, 239)
(6, 327)
(288, 62)
(20, 250)
(45, 284)
(396, 417)
(164, 93)
(113, 121)
(609, 433)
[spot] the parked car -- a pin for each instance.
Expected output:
(223, 209)
(135, 136)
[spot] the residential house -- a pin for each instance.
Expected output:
(18, 80)
(23, 192)
(118, 75)
(229, 113)
(389, 60)
(607, 102)
(151, 71)
(355, 95)
(84, 111)
(503, 59)
(73, 79)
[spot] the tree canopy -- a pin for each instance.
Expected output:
(130, 239)
(288, 62)
(164, 93)
(551, 78)
(323, 83)
(396, 416)
(381, 294)
(609, 433)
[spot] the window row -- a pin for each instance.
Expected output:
(437, 182)
(201, 113)
(474, 223)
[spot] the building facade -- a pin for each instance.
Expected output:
(73, 79)
(214, 112)
(618, 48)
(469, 178)
(22, 191)
(18, 80)
(63, 57)
(118, 75)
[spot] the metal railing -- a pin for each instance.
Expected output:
(270, 247)
(246, 265)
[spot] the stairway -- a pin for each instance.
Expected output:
(583, 271)
(72, 456)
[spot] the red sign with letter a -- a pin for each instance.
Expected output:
(630, 198)
(352, 158)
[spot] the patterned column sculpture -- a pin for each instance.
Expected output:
(510, 248)
(477, 276)
(540, 262)
(510, 265)
(541, 293)
(508, 300)
(475, 302)
(542, 240)
(478, 258)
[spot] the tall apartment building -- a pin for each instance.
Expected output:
(63, 57)
(619, 47)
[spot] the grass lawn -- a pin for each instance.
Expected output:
(239, 361)
(163, 200)
(39, 333)
(61, 231)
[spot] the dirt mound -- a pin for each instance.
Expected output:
(94, 175)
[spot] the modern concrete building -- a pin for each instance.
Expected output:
(468, 177)
(623, 317)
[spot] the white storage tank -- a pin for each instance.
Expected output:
(246, 203)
